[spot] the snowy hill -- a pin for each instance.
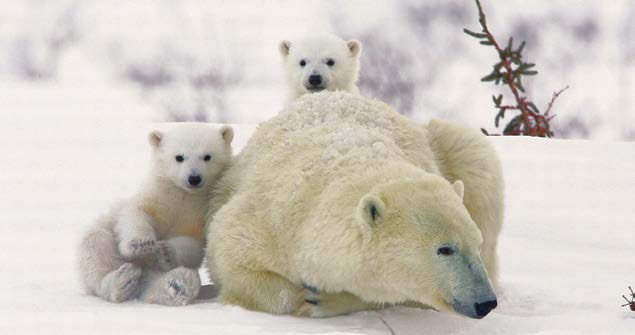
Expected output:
(566, 248)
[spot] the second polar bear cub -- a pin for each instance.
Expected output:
(319, 63)
(151, 245)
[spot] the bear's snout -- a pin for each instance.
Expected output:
(476, 310)
(315, 80)
(194, 180)
(483, 308)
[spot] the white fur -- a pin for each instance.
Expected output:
(343, 194)
(150, 246)
(316, 51)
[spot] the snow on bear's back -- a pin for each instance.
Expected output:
(341, 125)
(327, 135)
(327, 108)
(330, 110)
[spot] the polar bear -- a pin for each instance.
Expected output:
(151, 245)
(341, 204)
(318, 63)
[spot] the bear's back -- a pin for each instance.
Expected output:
(324, 132)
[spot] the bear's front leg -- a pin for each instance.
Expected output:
(261, 291)
(322, 305)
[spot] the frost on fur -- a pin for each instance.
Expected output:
(150, 245)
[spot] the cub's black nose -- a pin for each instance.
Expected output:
(484, 308)
(194, 180)
(315, 80)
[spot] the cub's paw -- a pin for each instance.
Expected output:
(124, 283)
(166, 256)
(182, 287)
(137, 248)
(176, 287)
(321, 305)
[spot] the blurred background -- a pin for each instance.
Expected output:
(217, 61)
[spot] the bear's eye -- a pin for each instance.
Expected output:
(302, 63)
(207, 158)
(445, 251)
(330, 62)
(179, 158)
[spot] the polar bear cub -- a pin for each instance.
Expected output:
(150, 246)
(321, 63)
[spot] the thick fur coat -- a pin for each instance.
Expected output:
(341, 204)
(150, 246)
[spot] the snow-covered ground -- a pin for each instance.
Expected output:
(81, 81)
(566, 248)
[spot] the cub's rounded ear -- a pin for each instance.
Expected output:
(155, 138)
(284, 47)
(371, 209)
(227, 132)
(459, 188)
(354, 46)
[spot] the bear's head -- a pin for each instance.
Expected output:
(321, 63)
(421, 245)
(191, 155)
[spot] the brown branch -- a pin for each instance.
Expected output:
(553, 99)
(530, 121)
(508, 67)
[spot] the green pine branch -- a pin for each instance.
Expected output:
(510, 71)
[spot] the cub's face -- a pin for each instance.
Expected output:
(191, 155)
(425, 247)
(320, 63)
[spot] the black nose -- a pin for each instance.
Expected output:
(315, 80)
(484, 308)
(194, 180)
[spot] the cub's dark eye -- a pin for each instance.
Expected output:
(445, 251)
(330, 62)
(179, 158)
(302, 63)
(207, 158)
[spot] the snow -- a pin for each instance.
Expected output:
(566, 248)
(73, 139)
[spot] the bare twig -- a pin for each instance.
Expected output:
(553, 99)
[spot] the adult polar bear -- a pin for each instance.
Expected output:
(341, 204)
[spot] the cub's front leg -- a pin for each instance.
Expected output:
(261, 291)
(135, 233)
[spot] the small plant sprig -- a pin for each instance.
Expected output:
(510, 71)
(630, 302)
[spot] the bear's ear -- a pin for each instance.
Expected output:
(459, 188)
(284, 47)
(228, 133)
(355, 47)
(155, 138)
(371, 209)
